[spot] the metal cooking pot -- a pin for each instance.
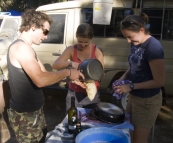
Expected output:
(109, 112)
(92, 69)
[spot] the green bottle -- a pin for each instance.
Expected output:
(72, 116)
(78, 129)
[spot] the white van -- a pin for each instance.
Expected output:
(68, 15)
(9, 26)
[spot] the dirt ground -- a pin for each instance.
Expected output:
(54, 109)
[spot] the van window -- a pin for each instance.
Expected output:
(112, 30)
(155, 21)
(8, 29)
(168, 27)
(87, 17)
(56, 33)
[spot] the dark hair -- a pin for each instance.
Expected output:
(33, 18)
(135, 22)
(84, 30)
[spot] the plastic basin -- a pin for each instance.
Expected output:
(102, 135)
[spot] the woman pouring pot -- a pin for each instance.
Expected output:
(88, 58)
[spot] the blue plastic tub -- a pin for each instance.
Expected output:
(102, 135)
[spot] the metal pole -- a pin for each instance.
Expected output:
(161, 37)
(141, 5)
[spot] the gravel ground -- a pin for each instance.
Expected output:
(54, 109)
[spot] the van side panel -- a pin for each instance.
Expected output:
(168, 51)
(116, 53)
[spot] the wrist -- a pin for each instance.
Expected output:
(131, 86)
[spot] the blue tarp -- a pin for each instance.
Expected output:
(15, 13)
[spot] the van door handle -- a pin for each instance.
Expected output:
(56, 54)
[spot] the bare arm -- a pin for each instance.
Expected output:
(99, 56)
(41, 65)
(125, 75)
(158, 71)
(62, 62)
(26, 58)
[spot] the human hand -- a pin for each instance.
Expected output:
(76, 77)
(78, 82)
(122, 89)
(76, 74)
(115, 84)
(75, 65)
(119, 87)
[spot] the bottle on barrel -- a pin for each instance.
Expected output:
(72, 116)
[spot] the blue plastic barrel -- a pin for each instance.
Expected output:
(102, 135)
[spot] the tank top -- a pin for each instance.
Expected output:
(26, 96)
(75, 58)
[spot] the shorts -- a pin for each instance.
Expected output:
(27, 125)
(144, 111)
(84, 100)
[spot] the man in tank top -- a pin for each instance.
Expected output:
(27, 76)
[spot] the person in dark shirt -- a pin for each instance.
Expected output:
(27, 76)
(147, 75)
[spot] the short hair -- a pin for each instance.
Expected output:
(33, 18)
(135, 22)
(84, 30)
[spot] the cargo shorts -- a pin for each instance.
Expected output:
(144, 111)
(27, 125)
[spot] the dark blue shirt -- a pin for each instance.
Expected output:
(140, 70)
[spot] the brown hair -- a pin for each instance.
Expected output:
(33, 18)
(135, 22)
(84, 30)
